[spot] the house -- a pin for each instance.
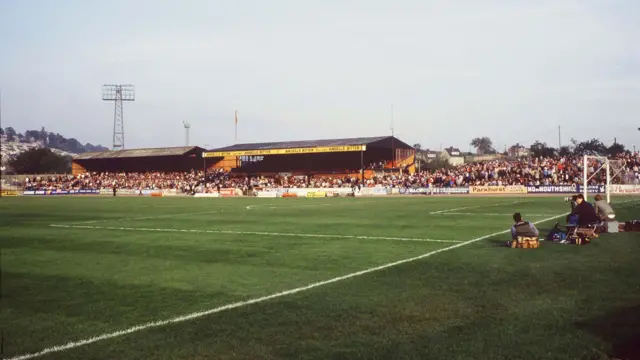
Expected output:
(518, 150)
(453, 155)
(453, 151)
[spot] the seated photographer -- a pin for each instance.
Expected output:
(585, 212)
(603, 209)
(574, 201)
(522, 228)
(572, 220)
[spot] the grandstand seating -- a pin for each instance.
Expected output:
(534, 171)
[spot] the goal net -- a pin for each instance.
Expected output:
(601, 175)
(622, 173)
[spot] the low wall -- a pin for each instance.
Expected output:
(337, 192)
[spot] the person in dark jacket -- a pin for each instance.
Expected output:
(572, 220)
(585, 212)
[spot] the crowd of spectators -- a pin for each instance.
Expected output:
(529, 172)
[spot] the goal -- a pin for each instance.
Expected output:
(600, 170)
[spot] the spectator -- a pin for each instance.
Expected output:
(527, 172)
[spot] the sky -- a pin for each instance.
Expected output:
(300, 70)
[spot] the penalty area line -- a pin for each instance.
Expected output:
(196, 315)
(264, 233)
(479, 206)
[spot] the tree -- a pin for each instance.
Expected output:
(483, 145)
(437, 164)
(564, 151)
(417, 146)
(540, 149)
(53, 140)
(589, 147)
(40, 161)
(44, 135)
(32, 134)
(1, 131)
(11, 134)
(616, 149)
(73, 146)
(89, 147)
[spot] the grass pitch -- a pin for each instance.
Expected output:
(75, 269)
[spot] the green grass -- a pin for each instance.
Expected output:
(477, 301)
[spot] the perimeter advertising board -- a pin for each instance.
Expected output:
(227, 192)
(509, 189)
(552, 189)
(206, 195)
(304, 191)
(449, 190)
(625, 189)
(592, 189)
(373, 191)
(61, 192)
(435, 190)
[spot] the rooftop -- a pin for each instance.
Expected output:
(314, 143)
(131, 153)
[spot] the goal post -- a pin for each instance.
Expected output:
(600, 164)
(605, 170)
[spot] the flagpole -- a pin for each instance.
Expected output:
(393, 147)
(236, 127)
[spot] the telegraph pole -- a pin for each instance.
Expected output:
(187, 126)
(559, 139)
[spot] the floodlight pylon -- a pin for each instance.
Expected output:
(118, 94)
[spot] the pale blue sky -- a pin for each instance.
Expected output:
(511, 70)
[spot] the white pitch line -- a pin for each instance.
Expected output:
(510, 214)
(478, 206)
(275, 206)
(151, 217)
(195, 315)
(252, 233)
(486, 214)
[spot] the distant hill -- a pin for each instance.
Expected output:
(13, 143)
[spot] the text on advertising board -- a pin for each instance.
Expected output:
(324, 149)
(560, 189)
(449, 190)
(510, 189)
(625, 189)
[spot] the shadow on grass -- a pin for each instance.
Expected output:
(620, 328)
(499, 242)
